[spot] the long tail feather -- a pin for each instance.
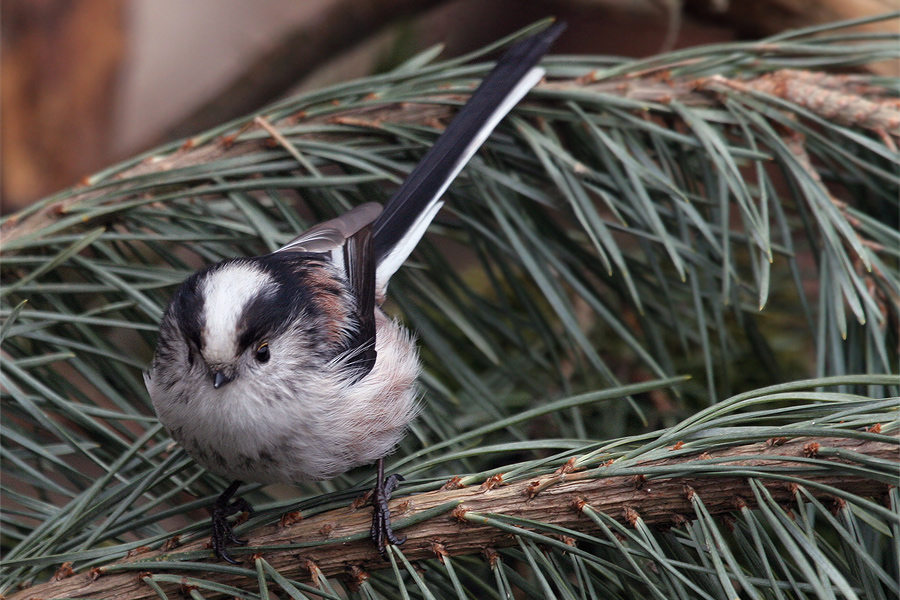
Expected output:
(409, 212)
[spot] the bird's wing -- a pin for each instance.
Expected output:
(411, 209)
(359, 264)
(329, 236)
(348, 240)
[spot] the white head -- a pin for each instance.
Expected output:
(227, 293)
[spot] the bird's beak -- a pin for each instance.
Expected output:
(220, 378)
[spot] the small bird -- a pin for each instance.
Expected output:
(283, 368)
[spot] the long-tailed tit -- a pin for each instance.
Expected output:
(283, 368)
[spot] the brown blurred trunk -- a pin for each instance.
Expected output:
(59, 64)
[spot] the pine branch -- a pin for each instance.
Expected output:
(464, 521)
(633, 220)
(839, 98)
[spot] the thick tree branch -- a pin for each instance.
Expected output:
(662, 502)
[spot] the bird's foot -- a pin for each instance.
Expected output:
(382, 533)
(222, 530)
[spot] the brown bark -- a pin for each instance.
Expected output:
(658, 502)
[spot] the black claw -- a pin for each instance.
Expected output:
(393, 482)
(381, 530)
(222, 530)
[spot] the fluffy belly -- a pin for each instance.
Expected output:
(294, 449)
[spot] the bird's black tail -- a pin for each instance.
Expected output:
(409, 212)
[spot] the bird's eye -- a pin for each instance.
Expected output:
(262, 353)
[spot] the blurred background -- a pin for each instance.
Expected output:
(86, 83)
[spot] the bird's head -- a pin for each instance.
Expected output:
(227, 318)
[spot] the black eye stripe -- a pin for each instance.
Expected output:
(276, 308)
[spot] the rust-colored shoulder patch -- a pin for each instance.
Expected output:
(331, 298)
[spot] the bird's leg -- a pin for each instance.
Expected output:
(381, 531)
(222, 531)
